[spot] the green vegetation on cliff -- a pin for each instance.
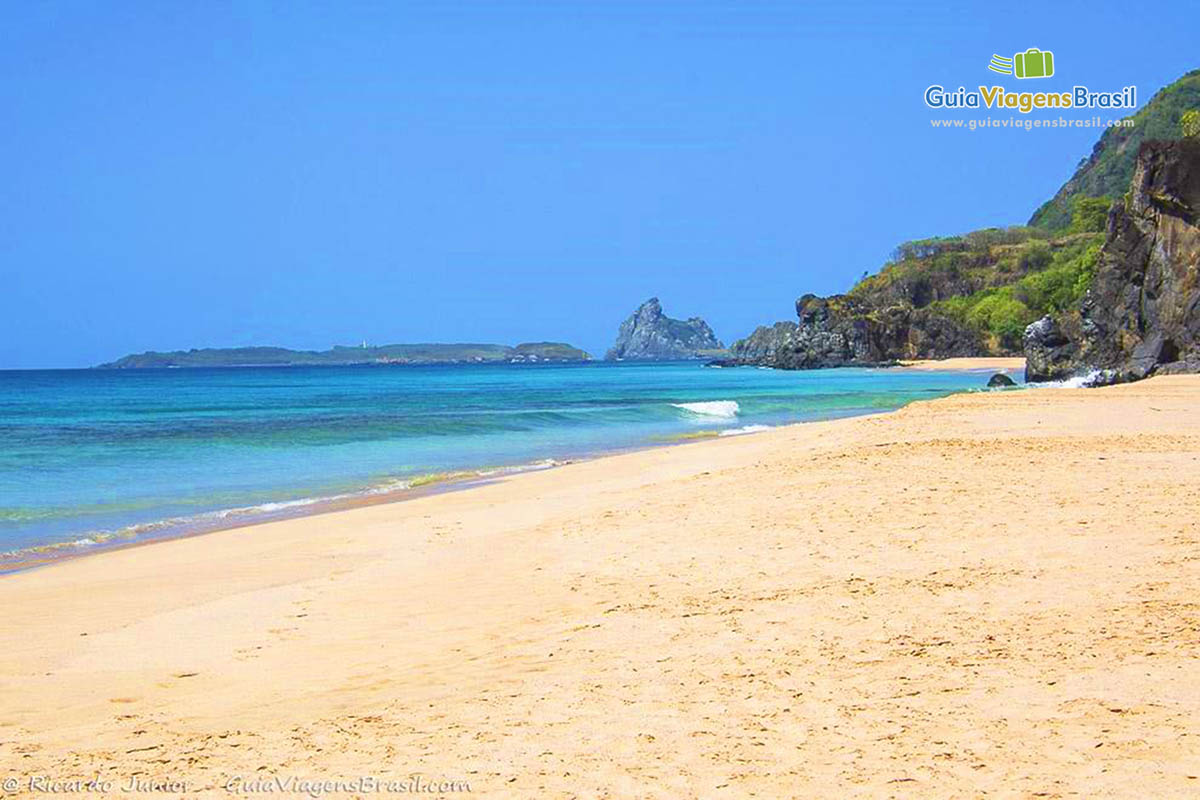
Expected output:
(991, 282)
(1002, 313)
(1109, 168)
(1190, 123)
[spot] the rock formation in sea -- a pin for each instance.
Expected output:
(650, 335)
(844, 330)
(1141, 314)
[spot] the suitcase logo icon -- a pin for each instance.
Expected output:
(1033, 63)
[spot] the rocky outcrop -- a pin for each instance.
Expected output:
(1000, 381)
(650, 335)
(1050, 353)
(1141, 314)
(1111, 164)
(844, 331)
(832, 332)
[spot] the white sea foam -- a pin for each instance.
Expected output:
(279, 506)
(385, 488)
(745, 429)
(533, 466)
(206, 520)
(725, 409)
(1078, 382)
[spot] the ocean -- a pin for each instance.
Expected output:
(97, 458)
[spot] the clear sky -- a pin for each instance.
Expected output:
(217, 174)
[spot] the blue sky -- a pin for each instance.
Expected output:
(304, 174)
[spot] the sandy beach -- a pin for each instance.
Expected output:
(973, 364)
(992, 593)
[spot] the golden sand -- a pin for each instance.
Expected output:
(989, 593)
(996, 364)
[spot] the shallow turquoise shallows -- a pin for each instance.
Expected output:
(89, 457)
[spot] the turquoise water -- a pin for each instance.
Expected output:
(91, 457)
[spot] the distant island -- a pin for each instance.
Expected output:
(340, 355)
(650, 335)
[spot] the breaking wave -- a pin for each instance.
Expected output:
(1089, 380)
(725, 409)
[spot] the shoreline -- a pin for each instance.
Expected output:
(59, 552)
(48, 555)
(826, 607)
(91, 542)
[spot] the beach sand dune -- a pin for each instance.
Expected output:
(989, 593)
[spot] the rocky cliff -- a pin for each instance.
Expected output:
(650, 335)
(1106, 172)
(841, 331)
(976, 294)
(1141, 314)
(968, 295)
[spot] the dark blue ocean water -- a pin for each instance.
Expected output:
(89, 457)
